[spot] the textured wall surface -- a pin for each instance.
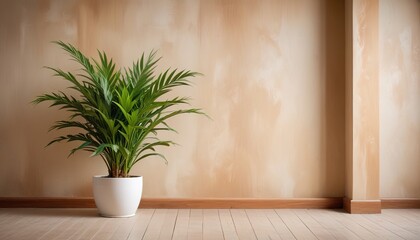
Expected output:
(348, 12)
(273, 84)
(400, 98)
(365, 100)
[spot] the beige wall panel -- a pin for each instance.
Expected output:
(349, 98)
(400, 98)
(273, 84)
(365, 100)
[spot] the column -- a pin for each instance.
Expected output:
(362, 107)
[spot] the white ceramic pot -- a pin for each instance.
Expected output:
(117, 197)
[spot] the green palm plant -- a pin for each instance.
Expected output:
(118, 113)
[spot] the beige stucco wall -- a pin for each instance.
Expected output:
(348, 12)
(399, 30)
(365, 100)
(273, 84)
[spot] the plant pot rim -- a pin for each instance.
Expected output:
(107, 177)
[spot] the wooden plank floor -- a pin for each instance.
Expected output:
(198, 224)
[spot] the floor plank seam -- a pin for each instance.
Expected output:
(253, 229)
(294, 235)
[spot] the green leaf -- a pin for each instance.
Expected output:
(102, 147)
(116, 114)
(82, 146)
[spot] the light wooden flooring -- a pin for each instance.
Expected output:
(209, 224)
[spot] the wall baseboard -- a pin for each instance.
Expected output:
(46, 202)
(242, 203)
(351, 206)
(362, 206)
(30, 202)
(400, 203)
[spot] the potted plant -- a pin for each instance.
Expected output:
(117, 115)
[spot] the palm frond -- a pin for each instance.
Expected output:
(118, 114)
